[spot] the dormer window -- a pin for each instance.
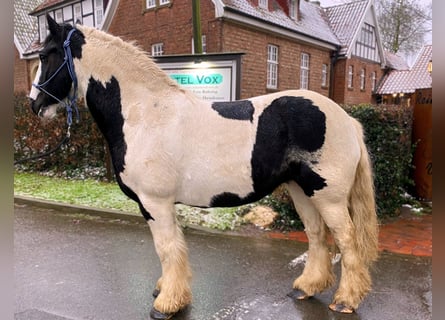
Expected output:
(293, 9)
(263, 4)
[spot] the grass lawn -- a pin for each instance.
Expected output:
(86, 192)
(106, 195)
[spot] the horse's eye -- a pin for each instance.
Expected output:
(43, 57)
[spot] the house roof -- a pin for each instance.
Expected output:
(48, 4)
(312, 20)
(396, 62)
(25, 26)
(345, 20)
(407, 81)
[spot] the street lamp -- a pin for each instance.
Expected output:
(430, 66)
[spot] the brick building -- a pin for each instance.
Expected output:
(286, 44)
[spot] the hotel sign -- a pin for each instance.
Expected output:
(209, 78)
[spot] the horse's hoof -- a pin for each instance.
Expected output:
(156, 293)
(157, 315)
(298, 294)
(339, 307)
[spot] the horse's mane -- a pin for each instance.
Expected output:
(138, 55)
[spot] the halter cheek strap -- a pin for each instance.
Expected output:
(68, 61)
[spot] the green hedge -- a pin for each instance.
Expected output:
(83, 155)
(387, 130)
(388, 137)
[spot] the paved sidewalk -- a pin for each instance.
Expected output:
(408, 234)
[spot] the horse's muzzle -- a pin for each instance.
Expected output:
(34, 106)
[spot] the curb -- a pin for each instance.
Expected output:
(48, 204)
(108, 213)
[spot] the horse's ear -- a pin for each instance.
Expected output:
(53, 26)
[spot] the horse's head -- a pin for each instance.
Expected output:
(55, 74)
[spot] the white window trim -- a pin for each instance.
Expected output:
(324, 75)
(204, 44)
(272, 67)
(292, 9)
(98, 13)
(263, 4)
(373, 80)
(157, 49)
(149, 4)
(362, 79)
(77, 16)
(350, 77)
(304, 70)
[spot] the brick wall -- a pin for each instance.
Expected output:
(254, 63)
(171, 25)
(24, 72)
(21, 82)
(354, 95)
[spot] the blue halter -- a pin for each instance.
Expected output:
(68, 61)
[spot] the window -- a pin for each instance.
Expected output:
(304, 71)
(204, 44)
(42, 27)
(350, 77)
(373, 81)
(262, 4)
(157, 49)
(366, 46)
(362, 79)
(78, 13)
(272, 66)
(99, 12)
(324, 75)
(292, 9)
(59, 16)
(150, 4)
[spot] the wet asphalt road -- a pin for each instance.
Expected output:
(73, 265)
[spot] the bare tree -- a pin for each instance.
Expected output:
(403, 24)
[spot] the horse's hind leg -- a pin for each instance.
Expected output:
(317, 274)
(173, 288)
(355, 280)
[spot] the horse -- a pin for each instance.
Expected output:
(169, 146)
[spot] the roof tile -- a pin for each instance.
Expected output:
(344, 20)
(407, 81)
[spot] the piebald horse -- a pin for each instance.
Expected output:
(168, 146)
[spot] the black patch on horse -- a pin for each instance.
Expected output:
(106, 108)
(237, 110)
(290, 130)
(287, 129)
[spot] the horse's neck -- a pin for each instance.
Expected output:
(103, 60)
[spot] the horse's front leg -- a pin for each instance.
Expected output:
(173, 288)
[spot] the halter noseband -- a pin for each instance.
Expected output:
(68, 61)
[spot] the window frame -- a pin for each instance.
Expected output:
(157, 49)
(263, 4)
(304, 70)
(362, 79)
(324, 75)
(272, 66)
(204, 44)
(373, 80)
(154, 4)
(350, 77)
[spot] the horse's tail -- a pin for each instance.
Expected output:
(362, 205)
